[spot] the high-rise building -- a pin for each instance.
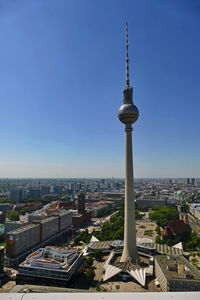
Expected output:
(81, 203)
(44, 190)
(17, 195)
(128, 114)
(57, 189)
(34, 193)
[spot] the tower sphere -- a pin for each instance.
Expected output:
(128, 113)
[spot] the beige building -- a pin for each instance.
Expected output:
(150, 201)
(194, 210)
(175, 273)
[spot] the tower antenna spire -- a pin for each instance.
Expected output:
(127, 58)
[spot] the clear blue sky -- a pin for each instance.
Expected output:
(62, 73)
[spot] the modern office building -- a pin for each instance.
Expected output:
(44, 190)
(21, 239)
(58, 189)
(5, 207)
(34, 193)
(51, 264)
(151, 201)
(17, 195)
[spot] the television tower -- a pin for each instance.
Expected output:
(128, 114)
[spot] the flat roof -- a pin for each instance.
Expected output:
(48, 219)
(146, 244)
(100, 245)
(196, 206)
(170, 265)
(20, 229)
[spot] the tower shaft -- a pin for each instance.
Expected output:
(130, 246)
(128, 114)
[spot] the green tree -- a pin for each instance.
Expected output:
(158, 240)
(5, 200)
(12, 215)
(193, 244)
(163, 215)
(143, 209)
(158, 230)
(98, 254)
(89, 275)
(138, 215)
(89, 261)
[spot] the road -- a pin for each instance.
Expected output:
(194, 226)
(103, 219)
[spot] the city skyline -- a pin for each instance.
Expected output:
(61, 81)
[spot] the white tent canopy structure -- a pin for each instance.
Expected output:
(93, 239)
(178, 246)
(110, 272)
(139, 275)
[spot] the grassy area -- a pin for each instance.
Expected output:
(197, 228)
(196, 263)
(148, 232)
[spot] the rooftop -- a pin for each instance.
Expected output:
(177, 267)
(161, 248)
(23, 228)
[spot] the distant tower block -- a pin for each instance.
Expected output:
(81, 203)
(128, 114)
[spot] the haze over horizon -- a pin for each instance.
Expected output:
(62, 75)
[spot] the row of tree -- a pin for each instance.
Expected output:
(164, 214)
(113, 230)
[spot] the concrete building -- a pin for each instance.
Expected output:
(12, 225)
(151, 201)
(21, 239)
(17, 195)
(65, 219)
(176, 273)
(44, 190)
(96, 208)
(58, 189)
(2, 217)
(34, 193)
(27, 236)
(194, 210)
(51, 264)
(5, 207)
(49, 226)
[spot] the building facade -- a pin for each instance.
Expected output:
(176, 273)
